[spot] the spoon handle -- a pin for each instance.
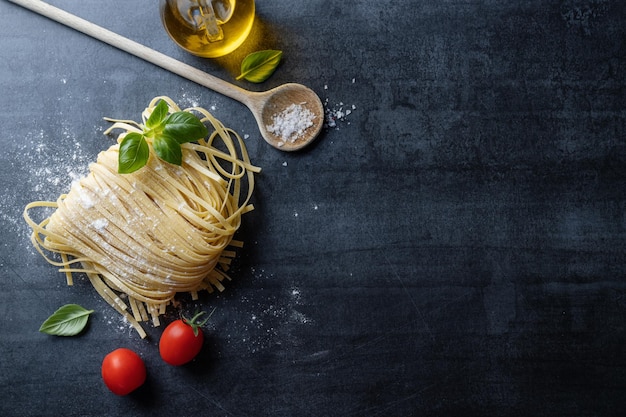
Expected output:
(137, 49)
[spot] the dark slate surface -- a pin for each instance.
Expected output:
(455, 246)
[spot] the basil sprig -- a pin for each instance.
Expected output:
(167, 132)
(258, 66)
(68, 320)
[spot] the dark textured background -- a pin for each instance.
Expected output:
(455, 246)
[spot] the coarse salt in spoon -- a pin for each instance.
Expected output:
(289, 116)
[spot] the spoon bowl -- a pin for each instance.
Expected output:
(270, 105)
(265, 106)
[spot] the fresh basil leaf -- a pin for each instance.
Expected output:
(166, 131)
(68, 320)
(184, 127)
(134, 153)
(157, 116)
(258, 66)
(168, 149)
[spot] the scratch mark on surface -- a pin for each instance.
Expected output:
(211, 400)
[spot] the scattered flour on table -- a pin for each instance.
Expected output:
(45, 172)
(118, 322)
(269, 319)
(190, 100)
(52, 171)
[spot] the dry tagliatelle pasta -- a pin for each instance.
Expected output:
(155, 232)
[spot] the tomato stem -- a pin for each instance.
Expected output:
(193, 322)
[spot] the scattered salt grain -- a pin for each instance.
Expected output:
(336, 113)
(291, 123)
(295, 293)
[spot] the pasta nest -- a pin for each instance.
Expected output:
(158, 231)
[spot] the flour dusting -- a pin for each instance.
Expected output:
(265, 319)
(45, 170)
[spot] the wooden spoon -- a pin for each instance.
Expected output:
(266, 106)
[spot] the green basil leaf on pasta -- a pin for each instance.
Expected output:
(69, 320)
(158, 115)
(184, 127)
(168, 149)
(166, 132)
(259, 66)
(134, 153)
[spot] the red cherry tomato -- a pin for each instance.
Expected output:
(123, 371)
(181, 341)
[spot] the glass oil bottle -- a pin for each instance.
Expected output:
(208, 28)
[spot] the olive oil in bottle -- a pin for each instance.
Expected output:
(208, 28)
